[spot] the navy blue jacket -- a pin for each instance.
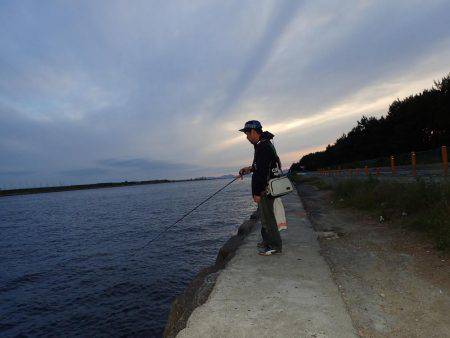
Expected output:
(264, 160)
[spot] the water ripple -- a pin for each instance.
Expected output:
(67, 263)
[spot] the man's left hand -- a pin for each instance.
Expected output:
(256, 198)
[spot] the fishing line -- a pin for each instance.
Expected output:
(185, 215)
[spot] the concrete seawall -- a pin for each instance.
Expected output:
(286, 295)
(198, 290)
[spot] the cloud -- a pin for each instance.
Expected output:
(83, 172)
(282, 15)
(142, 90)
(144, 164)
(16, 173)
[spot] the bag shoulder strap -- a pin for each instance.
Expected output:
(276, 159)
(276, 156)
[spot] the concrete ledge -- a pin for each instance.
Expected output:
(198, 290)
(287, 295)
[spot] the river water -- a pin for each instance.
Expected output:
(68, 265)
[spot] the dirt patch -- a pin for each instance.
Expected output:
(198, 291)
(394, 283)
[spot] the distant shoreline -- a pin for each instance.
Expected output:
(28, 191)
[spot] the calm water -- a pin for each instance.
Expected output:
(66, 267)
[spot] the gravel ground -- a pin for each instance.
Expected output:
(393, 281)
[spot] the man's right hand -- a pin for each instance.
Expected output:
(245, 171)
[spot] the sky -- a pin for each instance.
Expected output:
(105, 90)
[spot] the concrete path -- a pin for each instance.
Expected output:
(287, 295)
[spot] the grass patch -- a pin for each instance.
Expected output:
(315, 181)
(421, 205)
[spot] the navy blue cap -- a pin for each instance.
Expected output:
(249, 125)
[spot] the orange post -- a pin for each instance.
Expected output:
(366, 170)
(357, 171)
(444, 160)
(393, 169)
(413, 163)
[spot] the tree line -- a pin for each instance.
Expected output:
(418, 122)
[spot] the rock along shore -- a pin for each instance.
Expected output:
(199, 289)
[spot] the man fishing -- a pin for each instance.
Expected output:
(264, 162)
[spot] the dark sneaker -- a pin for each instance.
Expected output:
(261, 244)
(268, 251)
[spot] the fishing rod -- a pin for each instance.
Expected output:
(185, 215)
